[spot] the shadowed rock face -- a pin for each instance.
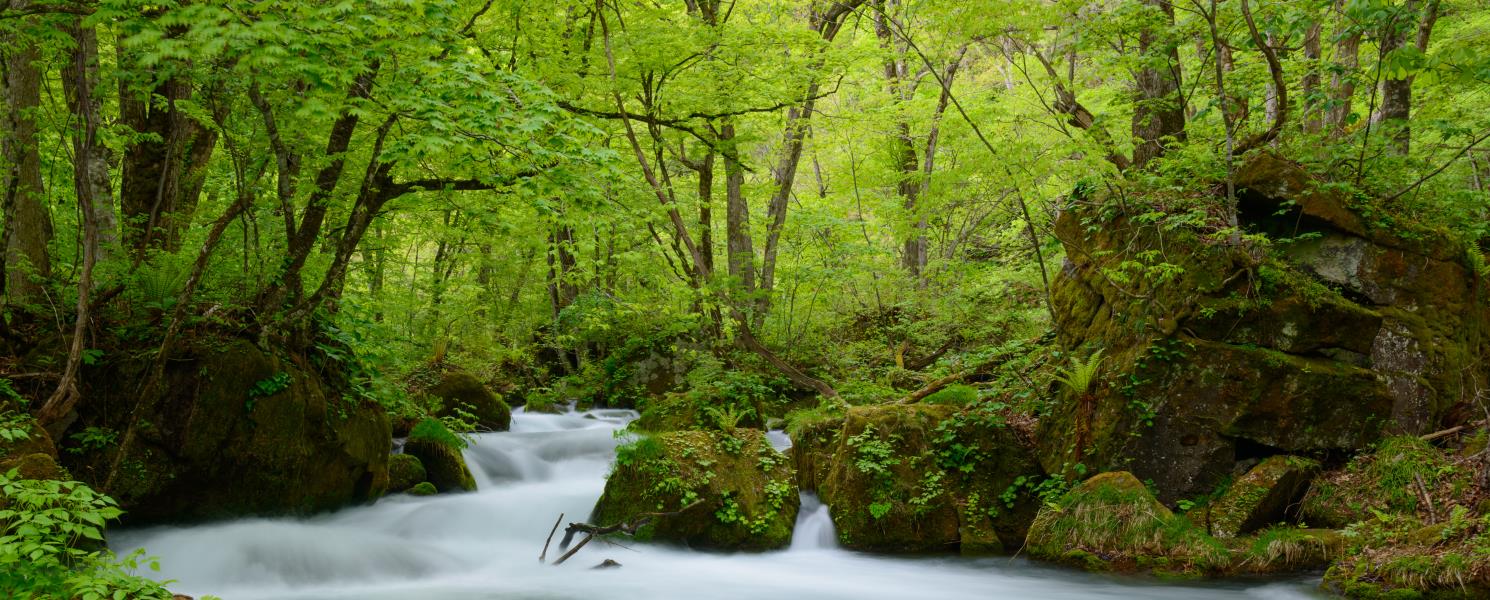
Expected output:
(235, 431)
(1338, 331)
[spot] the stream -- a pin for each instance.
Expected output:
(485, 545)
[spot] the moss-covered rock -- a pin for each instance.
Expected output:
(728, 490)
(459, 392)
(680, 411)
(918, 477)
(404, 472)
(1286, 549)
(234, 430)
(444, 466)
(36, 465)
(1215, 350)
(813, 444)
(1261, 497)
(424, 488)
(1113, 522)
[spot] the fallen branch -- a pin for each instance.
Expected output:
(1450, 431)
(543, 555)
(1427, 499)
(590, 531)
(936, 386)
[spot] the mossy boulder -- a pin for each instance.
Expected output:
(424, 488)
(444, 466)
(918, 477)
(234, 430)
(404, 472)
(32, 452)
(36, 465)
(459, 392)
(1345, 329)
(725, 490)
(1262, 497)
(813, 444)
(1113, 522)
(1288, 549)
(680, 411)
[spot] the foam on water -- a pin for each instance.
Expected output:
(485, 545)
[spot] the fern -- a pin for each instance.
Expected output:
(1081, 375)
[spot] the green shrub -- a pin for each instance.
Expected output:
(434, 430)
(51, 544)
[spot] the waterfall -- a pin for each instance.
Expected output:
(814, 529)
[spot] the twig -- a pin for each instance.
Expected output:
(1423, 489)
(591, 531)
(1450, 431)
(543, 555)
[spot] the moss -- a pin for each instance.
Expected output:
(681, 411)
(729, 491)
(1262, 496)
(444, 467)
(404, 472)
(813, 444)
(1115, 516)
(953, 395)
(460, 392)
(884, 488)
(35, 466)
(208, 446)
(1383, 480)
(423, 488)
(1288, 548)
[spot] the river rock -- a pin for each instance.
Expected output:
(404, 472)
(813, 445)
(444, 466)
(1262, 497)
(919, 477)
(1343, 329)
(461, 391)
(1113, 522)
(734, 491)
(235, 431)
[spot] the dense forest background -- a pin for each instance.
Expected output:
(751, 203)
(839, 188)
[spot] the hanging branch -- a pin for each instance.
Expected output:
(1280, 88)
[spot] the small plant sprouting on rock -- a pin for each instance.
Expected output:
(1081, 378)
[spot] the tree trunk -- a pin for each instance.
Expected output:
(739, 247)
(85, 56)
(28, 226)
(163, 174)
(1342, 83)
(1396, 93)
(827, 23)
(903, 144)
(1313, 120)
(1159, 113)
(56, 410)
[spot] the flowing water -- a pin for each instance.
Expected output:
(485, 545)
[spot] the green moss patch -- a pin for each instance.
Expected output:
(728, 490)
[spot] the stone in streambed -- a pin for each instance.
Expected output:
(729, 490)
(1262, 497)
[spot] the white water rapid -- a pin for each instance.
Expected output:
(485, 545)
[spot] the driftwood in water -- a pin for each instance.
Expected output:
(543, 555)
(590, 531)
